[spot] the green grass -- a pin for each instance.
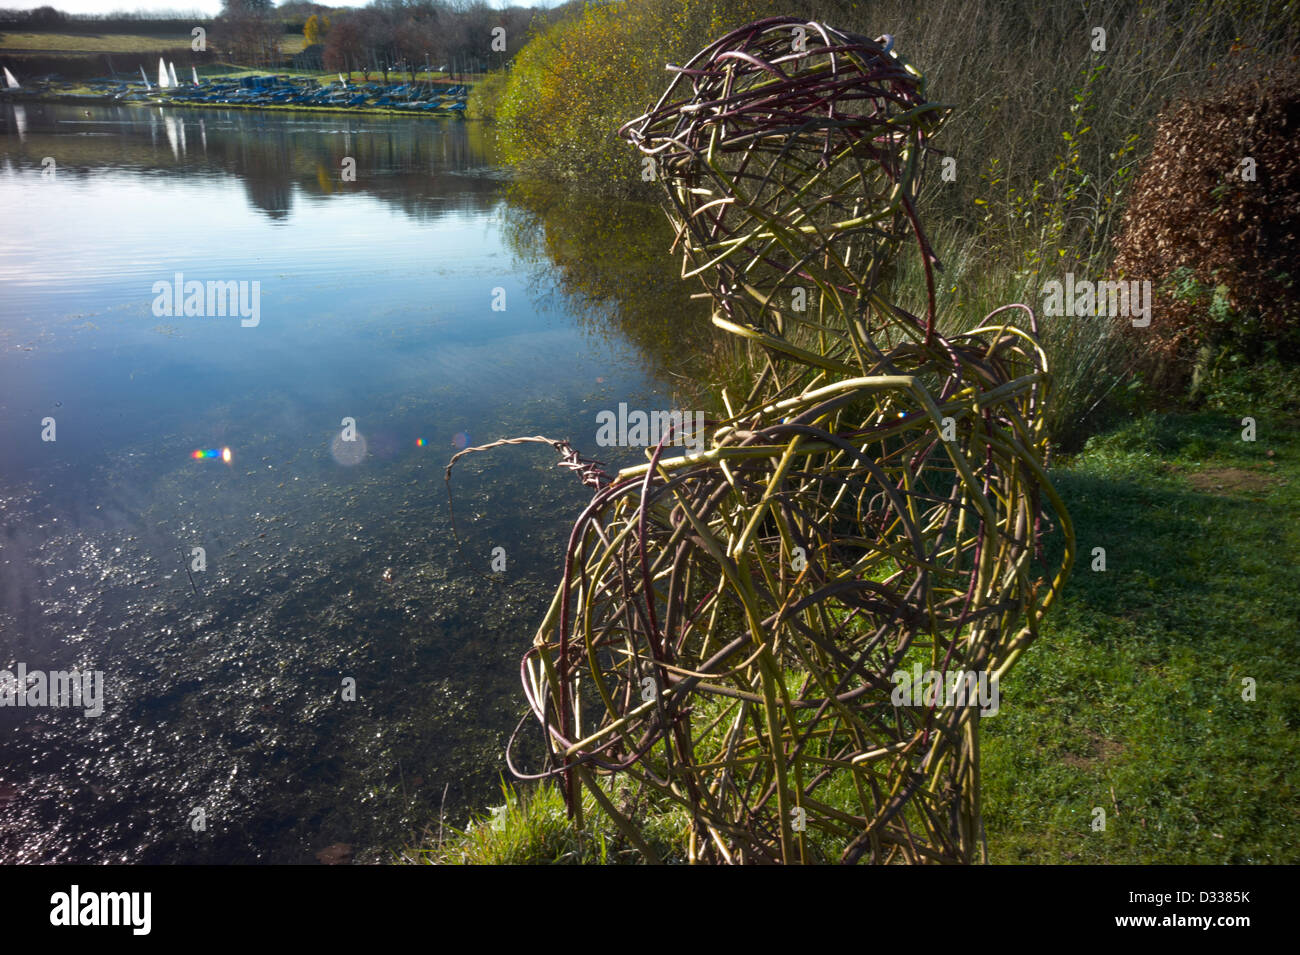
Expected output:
(530, 828)
(93, 42)
(1132, 699)
(116, 42)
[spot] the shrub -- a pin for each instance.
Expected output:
(573, 85)
(486, 95)
(1221, 249)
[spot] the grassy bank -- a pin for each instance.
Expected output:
(1132, 700)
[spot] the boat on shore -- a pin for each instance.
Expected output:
(271, 91)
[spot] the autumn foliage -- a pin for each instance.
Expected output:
(1213, 223)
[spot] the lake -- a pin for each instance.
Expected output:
(333, 666)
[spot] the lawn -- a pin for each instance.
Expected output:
(1133, 700)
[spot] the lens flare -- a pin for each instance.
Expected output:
(349, 453)
(222, 453)
(461, 440)
(419, 442)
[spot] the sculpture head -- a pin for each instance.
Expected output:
(790, 152)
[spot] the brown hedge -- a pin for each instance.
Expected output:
(1191, 209)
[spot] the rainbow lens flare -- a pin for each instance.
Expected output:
(419, 442)
(222, 453)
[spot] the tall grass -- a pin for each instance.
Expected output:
(1011, 69)
(1091, 366)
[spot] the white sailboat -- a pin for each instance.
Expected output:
(10, 80)
(171, 70)
(194, 73)
(162, 74)
(147, 84)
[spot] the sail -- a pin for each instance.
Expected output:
(10, 80)
(194, 73)
(171, 70)
(162, 74)
(147, 84)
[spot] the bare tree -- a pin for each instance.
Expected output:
(343, 47)
(253, 32)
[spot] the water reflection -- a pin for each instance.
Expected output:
(322, 562)
(414, 164)
(609, 265)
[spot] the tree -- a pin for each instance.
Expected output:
(343, 48)
(378, 27)
(417, 37)
(254, 33)
(46, 17)
(311, 30)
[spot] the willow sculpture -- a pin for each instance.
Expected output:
(730, 623)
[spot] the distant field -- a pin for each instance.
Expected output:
(114, 42)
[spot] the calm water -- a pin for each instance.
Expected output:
(326, 560)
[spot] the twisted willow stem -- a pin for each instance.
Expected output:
(730, 624)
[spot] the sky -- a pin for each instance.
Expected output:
(184, 7)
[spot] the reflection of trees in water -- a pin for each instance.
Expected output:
(264, 161)
(607, 264)
(418, 165)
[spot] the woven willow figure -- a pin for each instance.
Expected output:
(731, 624)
